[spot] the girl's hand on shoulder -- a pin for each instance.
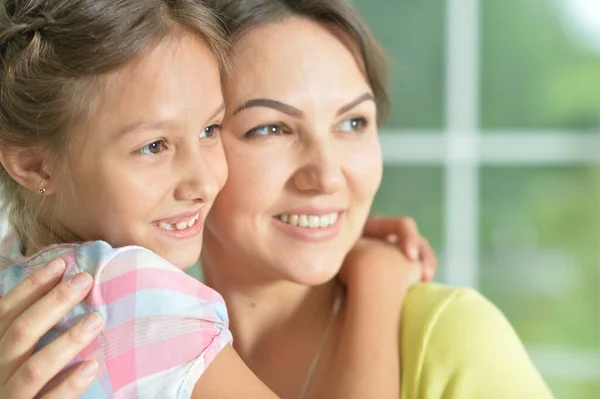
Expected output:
(404, 233)
(26, 313)
(375, 268)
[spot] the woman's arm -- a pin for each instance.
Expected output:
(28, 312)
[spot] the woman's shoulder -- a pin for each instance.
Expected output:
(427, 305)
(456, 343)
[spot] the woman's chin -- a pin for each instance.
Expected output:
(313, 272)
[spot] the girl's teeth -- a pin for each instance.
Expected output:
(165, 226)
(333, 217)
(180, 225)
(310, 221)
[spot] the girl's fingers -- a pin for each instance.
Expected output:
(75, 383)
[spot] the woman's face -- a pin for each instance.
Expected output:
(147, 166)
(304, 157)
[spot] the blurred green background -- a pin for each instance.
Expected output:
(538, 223)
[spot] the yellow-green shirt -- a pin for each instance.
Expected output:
(456, 345)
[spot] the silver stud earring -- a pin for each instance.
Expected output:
(42, 190)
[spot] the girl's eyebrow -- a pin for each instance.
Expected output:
(159, 124)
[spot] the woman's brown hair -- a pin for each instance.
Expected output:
(53, 55)
(242, 15)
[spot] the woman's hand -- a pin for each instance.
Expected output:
(404, 233)
(26, 313)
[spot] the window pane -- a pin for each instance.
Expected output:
(539, 263)
(415, 192)
(413, 34)
(540, 64)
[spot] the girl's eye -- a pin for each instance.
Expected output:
(353, 125)
(152, 148)
(267, 130)
(210, 131)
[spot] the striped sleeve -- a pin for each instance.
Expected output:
(162, 327)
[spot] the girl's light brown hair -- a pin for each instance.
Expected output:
(53, 56)
(241, 15)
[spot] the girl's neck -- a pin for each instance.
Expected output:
(43, 237)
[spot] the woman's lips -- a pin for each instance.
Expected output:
(310, 227)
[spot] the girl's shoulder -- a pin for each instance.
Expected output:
(162, 328)
(456, 343)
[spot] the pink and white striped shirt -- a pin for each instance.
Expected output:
(162, 328)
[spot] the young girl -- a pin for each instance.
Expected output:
(109, 129)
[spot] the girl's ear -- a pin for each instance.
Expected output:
(28, 166)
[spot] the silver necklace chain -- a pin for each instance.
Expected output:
(337, 304)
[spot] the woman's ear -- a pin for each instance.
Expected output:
(28, 166)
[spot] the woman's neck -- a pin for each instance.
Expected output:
(265, 311)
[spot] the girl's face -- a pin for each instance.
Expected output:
(304, 157)
(145, 169)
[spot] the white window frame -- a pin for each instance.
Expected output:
(461, 148)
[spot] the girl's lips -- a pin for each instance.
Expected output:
(184, 217)
(189, 229)
(183, 226)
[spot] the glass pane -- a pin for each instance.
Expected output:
(540, 230)
(413, 34)
(416, 192)
(540, 64)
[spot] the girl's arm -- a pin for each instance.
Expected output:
(368, 361)
(229, 377)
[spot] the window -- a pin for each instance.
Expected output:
(493, 148)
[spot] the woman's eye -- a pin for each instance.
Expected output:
(210, 131)
(153, 148)
(353, 125)
(267, 130)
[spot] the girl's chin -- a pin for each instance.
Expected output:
(183, 262)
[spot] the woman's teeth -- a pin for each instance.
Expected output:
(310, 221)
(180, 225)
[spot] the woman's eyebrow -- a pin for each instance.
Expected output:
(360, 99)
(270, 103)
(295, 112)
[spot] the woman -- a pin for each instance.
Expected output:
(300, 136)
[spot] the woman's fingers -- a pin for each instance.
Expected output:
(22, 335)
(75, 384)
(35, 373)
(35, 286)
